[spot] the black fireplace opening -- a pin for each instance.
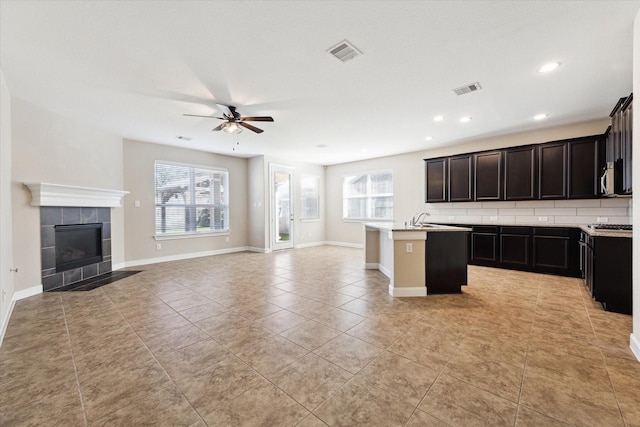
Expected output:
(77, 245)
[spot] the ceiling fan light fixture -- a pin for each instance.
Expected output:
(232, 127)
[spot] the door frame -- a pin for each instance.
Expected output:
(274, 245)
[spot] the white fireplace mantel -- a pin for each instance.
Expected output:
(44, 194)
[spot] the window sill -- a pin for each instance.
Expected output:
(310, 220)
(191, 235)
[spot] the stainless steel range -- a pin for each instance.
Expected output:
(612, 227)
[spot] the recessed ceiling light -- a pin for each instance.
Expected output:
(428, 138)
(364, 150)
(438, 118)
(548, 67)
(465, 119)
(322, 145)
(540, 116)
(184, 138)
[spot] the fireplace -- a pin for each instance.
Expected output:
(77, 245)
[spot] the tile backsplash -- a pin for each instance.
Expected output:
(544, 212)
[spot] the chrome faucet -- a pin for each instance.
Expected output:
(415, 221)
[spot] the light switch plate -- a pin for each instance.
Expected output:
(602, 219)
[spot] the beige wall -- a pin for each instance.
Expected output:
(6, 233)
(140, 245)
(47, 147)
(408, 179)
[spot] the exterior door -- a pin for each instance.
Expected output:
(281, 207)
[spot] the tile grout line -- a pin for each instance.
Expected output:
(73, 360)
(154, 358)
(604, 361)
(526, 355)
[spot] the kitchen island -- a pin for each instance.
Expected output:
(419, 261)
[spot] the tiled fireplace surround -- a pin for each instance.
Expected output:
(50, 216)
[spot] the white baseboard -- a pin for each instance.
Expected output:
(259, 250)
(344, 244)
(634, 344)
(118, 266)
(180, 257)
(310, 245)
(385, 271)
(25, 293)
(371, 266)
(419, 291)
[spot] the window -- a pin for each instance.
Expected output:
(368, 196)
(310, 197)
(191, 199)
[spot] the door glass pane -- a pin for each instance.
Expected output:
(283, 214)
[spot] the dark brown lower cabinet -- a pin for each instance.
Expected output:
(484, 246)
(552, 250)
(515, 248)
(608, 272)
(556, 251)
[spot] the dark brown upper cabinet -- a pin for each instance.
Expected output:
(626, 144)
(520, 173)
(436, 185)
(488, 175)
(461, 178)
(552, 171)
(584, 168)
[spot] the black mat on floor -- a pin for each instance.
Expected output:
(96, 282)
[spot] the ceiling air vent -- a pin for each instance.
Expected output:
(344, 51)
(467, 88)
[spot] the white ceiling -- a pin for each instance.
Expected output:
(133, 68)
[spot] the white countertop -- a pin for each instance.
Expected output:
(390, 226)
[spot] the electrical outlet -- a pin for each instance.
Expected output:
(136, 204)
(543, 218)
(602, 219)
(227, 239)
(493, 218)
(409, 248)
(451, 217)
(158, 246)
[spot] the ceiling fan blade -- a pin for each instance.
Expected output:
(257, 119)
(248, 126)
(219, 127)
(208, 117)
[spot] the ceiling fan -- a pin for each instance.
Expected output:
(234, 121)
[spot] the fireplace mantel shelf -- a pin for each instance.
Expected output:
(45, 194)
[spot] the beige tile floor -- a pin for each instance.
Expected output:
(308, 337)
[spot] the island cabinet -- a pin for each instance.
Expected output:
(584, 165)
(488, 175)
(515, 248)
(460, 182)
(520, 173)
(552, 171)
(436, 184)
